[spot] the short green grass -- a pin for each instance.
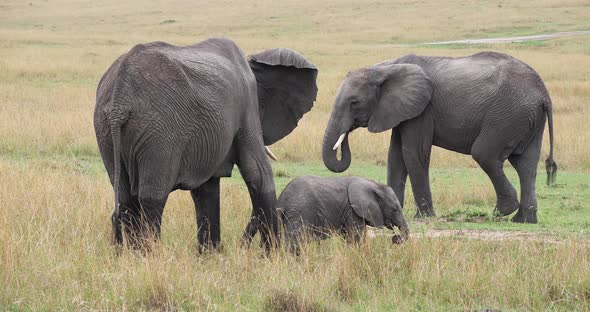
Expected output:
(464, 198)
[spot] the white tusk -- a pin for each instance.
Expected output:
(340, 139)
(270, 154)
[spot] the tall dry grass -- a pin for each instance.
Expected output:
(56, 254)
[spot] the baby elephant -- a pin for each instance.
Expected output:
(316, 206)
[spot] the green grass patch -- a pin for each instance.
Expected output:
(563, 208)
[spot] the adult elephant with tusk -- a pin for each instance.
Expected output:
(170, 117)
(489, 105)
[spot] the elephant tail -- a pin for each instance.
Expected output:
(117, 115)
(116, 219)
(117, 111)
(550, 164)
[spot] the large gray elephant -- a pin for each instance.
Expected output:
(313, 207)
(489, 105)
(170, 117)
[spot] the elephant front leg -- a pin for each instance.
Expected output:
(263, 218)
(396, 168)
(419, 176)
(416, 135)
(257, 174)
(293, 235)
(355, 233)
(206, 198)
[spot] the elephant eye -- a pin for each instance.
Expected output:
(354, 103)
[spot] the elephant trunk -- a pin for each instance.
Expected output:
(332, 137)
(404, 230)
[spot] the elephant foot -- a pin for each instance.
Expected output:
(506, 205)
(207, 243)
(424, 213)
(250, 232)
(209, 247)
(527, 215)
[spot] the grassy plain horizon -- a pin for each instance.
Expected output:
(55, 251)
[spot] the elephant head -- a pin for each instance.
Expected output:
(378, 206)
(380, 98)
(286, 90)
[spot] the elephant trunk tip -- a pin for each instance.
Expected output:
(330, 151)
(403, 236)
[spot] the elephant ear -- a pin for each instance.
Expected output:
(364, 203)
(286, 90)
(404, 91)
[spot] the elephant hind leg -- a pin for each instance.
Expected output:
(206, 198)
(156, 181)
(490, 153)
(142, 219)
(130, 209)
(526, 167)
(150, 218)
(152, 197)
(130, 218)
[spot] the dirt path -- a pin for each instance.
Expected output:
(487, 235)
(491, 235)
(513, 39)
(500, 39)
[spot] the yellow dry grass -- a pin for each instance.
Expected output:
(53, 53)
(56, 254)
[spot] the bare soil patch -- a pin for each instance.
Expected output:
(490, 235)
(487, 235)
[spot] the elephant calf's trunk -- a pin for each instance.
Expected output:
(403, 236)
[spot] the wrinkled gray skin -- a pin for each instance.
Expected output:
(171, 117)
(489, 105)
(317, 206)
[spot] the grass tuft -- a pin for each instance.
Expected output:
(288, 301)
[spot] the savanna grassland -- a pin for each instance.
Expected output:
(56, 201)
